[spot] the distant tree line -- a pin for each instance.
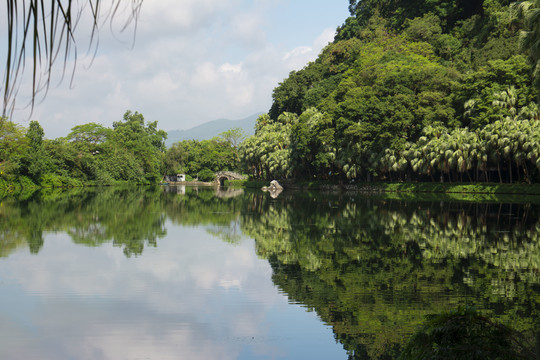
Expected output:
(131, 151)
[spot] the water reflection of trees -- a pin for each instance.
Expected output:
(370, 268)
(131, 218)
(373, 269)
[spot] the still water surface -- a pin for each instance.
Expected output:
(187, 273)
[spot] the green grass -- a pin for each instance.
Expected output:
(255, 184)
(236, 183)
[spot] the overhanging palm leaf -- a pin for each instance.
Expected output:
(45, 30)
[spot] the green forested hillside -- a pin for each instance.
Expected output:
(411, 90)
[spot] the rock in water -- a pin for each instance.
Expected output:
(274, 185)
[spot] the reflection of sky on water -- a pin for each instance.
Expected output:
(192, 297)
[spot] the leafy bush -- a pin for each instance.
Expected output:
(256, 184)
(26, 183)
(235, 183)
(59, 181)
(51, 181)
(206, 175)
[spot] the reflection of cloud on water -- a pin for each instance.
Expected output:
(113, 331)
(174, 301)
(230, 284)
(227, 193)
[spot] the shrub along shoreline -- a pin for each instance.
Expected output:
(404, 187)
(23, 183)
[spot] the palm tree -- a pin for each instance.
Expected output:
(529, 11)
(45, 30)
(507, 99)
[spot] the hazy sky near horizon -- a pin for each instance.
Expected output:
(192, 61)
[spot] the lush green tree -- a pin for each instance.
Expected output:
(398, 11)
(136, 149)
(394, 90)
(215, 154)
(479, 89)
(36, 162)
(89, 136)
(175, 159)
(313, 150)
(235, 137)
(530, 11)
(267, 154)
(289, 95)
(13, 144)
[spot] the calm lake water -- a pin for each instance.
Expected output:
(187, 273)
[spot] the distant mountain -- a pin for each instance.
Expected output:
(212, 128)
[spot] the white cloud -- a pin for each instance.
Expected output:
(183, 15)
(247, 27)
(299, 51)
(326, 37)
(205, 75)
(230, 68)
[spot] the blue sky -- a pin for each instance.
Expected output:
(193, 61)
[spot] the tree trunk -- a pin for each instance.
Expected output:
(510, 170)
(499, 169)
(526, 173)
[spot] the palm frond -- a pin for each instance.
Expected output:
(45, 32)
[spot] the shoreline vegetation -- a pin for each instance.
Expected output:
(481, 191)
(407, 187)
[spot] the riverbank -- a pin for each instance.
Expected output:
(190, 183)
(446, 188)
(24, 184)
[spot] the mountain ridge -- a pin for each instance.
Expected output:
(211, 129)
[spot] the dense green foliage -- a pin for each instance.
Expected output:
(411, 90)
(131, 151)
(192, 157)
